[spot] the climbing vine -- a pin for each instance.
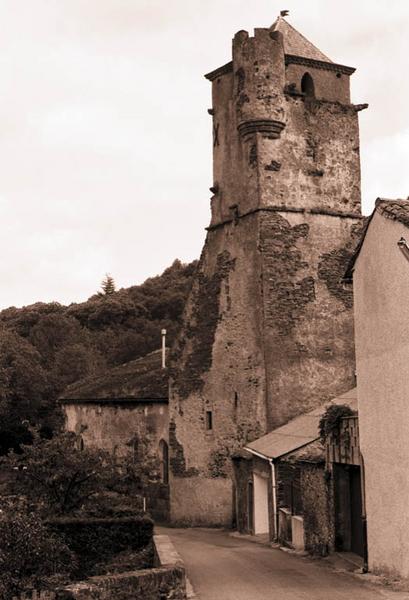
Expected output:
(331, 420)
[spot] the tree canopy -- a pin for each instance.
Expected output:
(47, 346)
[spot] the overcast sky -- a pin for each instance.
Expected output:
(105, 140)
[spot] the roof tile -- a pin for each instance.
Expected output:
(140, 379)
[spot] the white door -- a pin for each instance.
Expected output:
(261, 524)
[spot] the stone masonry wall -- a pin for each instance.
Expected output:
(222, 327)
(268, 328)
(308, 324)
(317, 499)
(162, 583)
(114, 426)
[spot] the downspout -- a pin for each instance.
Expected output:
(364, 520)
(274, 490)
(273, 487)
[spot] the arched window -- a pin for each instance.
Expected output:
(307, 86)
(164, 461)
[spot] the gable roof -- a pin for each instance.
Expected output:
(296, 44)
(142, 379)
(397, 210)
(299, 431)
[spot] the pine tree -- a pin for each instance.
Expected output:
(108, 285)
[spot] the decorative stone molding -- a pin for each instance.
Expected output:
(268, 127)
(289, 209)
(291, 59)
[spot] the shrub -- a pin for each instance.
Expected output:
(96, 541)
(331, 419)
(31, 556)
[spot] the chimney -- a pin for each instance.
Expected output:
(163, 332)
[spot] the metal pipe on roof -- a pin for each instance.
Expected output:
(163, 332)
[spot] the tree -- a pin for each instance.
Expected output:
(24, 389)
(108, 285)
(58, 475)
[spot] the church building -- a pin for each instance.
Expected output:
(268, 327)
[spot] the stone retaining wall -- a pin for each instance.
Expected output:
(167, 581)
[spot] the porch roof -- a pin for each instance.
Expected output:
(299, 431)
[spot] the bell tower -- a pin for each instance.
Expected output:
(268, 328)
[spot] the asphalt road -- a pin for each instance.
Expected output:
(221, 567)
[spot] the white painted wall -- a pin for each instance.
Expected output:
(381, 299)
(261, 524)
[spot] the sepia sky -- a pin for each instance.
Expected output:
(105, 140)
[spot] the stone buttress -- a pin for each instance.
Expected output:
(268, 327)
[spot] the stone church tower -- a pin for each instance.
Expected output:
(268, 328)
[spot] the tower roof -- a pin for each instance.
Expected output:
(296, 44)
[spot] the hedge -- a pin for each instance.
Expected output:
(94, 540)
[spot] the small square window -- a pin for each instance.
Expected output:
(209, 420)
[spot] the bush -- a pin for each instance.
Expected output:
(96, 541)
(31, 556)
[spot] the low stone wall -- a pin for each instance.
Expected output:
(162, 583)
(167, 581)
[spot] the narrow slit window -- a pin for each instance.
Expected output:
(209, 420)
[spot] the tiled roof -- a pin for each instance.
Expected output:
(299, 431)
(397, 210)
(296, 44)
(140, 379)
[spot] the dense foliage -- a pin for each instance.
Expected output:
(45, 347)
(47, 532)
(331, 419)
(95, 541)
(58, 476)
(31, 556)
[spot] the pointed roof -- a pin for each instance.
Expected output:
(297, 50)
(296, 44)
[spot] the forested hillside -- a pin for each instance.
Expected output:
(45, 347)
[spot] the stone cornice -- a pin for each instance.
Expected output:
(313, 211)
(268, 127)
(291, 59)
